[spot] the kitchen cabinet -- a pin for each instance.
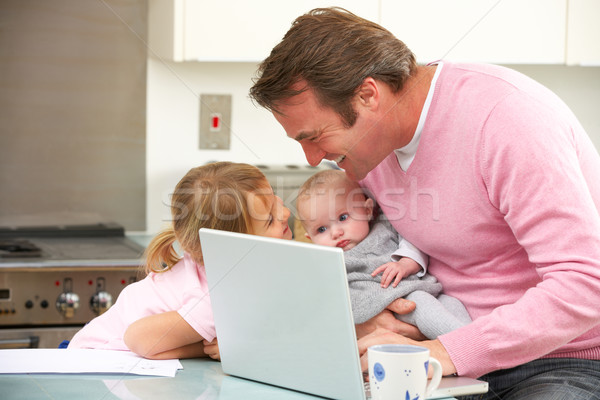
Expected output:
(229, 30)
(496, 31)
(583, 34)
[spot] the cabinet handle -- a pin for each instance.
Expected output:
(24, 343)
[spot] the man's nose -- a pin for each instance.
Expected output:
(314, 155)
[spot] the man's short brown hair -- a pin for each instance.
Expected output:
(333, 51)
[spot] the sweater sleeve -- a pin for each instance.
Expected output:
(534, 166)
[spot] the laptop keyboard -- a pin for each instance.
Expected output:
(367, 390)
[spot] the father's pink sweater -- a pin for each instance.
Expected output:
(503, 195)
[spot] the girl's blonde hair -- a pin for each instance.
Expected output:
(211, 196)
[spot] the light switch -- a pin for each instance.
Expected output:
(215, 121)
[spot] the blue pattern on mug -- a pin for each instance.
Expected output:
(426, 365)
(379, 371)
(408, 396)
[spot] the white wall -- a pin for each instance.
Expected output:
(173, 96)
(173, 112)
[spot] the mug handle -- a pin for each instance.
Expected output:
(437, 376)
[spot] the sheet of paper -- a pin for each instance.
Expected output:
(77, 361)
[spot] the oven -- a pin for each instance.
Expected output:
(286, 180)
(54, 279)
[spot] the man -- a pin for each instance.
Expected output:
(483, 169)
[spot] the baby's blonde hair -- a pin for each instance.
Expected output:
(211, 196)
(323, 182)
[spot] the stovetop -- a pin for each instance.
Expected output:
(51, 246)
(18, 248)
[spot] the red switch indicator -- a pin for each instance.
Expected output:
(215, 122)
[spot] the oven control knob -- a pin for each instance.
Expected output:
(102, 300)
(67, 302)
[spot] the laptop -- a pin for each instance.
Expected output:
(283, 316)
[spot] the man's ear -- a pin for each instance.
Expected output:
(368, 93)
(369, 206)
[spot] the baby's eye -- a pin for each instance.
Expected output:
(321, 229)
(344, 217)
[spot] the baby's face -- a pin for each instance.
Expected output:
(336, 219)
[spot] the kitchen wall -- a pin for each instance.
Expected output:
(72, 112)
(173, 92)
(173, 114)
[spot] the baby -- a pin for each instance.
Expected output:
(335, 211)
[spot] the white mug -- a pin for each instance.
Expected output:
(399, 372)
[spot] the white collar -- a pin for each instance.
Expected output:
(406, 154)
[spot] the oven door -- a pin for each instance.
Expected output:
(40, 337)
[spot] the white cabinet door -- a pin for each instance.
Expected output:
(496, 31)
(583, 34)
(231, 30)
(165, 29)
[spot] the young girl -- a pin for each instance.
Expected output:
(168, 313)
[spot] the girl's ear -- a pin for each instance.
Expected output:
(369, 206)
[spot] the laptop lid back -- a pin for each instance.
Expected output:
(282, 313)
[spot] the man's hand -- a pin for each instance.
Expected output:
(386, 320)
(384, 336)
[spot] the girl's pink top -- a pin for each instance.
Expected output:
(183, 289)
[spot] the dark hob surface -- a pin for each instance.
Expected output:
(88, 245)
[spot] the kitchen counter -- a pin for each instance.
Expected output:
(200, 379)
(143, 239)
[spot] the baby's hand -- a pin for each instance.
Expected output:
(394, 271)
(212, 349)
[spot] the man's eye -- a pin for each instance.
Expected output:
(344, 217)
(321, 229)
(315, 138)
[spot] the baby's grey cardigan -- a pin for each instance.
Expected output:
(367, 295)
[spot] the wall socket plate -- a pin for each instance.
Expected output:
(215, 121)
